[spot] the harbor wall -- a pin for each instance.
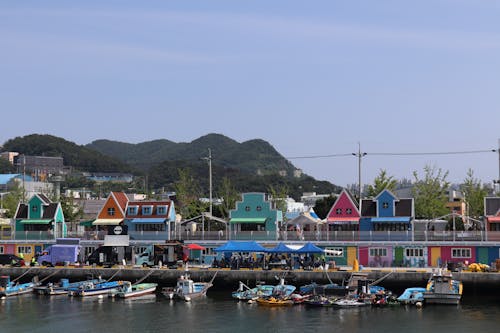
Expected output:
(393, 279)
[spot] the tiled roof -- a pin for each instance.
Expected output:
(22, 212)
(50, 211)
(404, 207)
(154, 212)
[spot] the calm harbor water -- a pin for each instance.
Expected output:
(219, 313)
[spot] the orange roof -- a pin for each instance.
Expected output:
(493, 218)
(121, 198)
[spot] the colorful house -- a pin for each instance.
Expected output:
(492, 217)
(40, 218)
(112, 212)
(386, 217)
(150, 219)
(254, 214)
(344, 214)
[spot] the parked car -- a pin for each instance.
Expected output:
(11, 259)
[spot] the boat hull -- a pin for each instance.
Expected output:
(436, 298)
(137, 291)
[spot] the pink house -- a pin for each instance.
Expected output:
(344, 214)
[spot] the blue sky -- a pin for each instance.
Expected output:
(312, 78)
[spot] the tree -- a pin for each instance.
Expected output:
(430, 193)
(187, 191)
(323, 206)
(72, 212)
(11, 200)
(229, 196)
(474, 193)
(278, 195)
(380, 183)
(6, 167)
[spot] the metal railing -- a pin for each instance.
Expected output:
(322, 236)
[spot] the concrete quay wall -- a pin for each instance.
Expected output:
(393, 279)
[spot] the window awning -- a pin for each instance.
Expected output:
(343, 220)
(248, 220)
(107, 221)
(146, 220)
(36, 221)
(493, 218)
(87, 223)
(399, 219)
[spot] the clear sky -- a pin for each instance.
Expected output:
(310, 77)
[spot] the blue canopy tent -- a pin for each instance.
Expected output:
(309, 248)
(281, 248)
(240, 246)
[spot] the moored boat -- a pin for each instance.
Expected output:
(246, 293)
(187, 289)
(273, 301)
(412, 295)
(128, 290)
(443, 289)
(61, 287)
(349, 303)
(93, 289)
(9, 288)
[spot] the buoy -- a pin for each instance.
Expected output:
(100, 296)
(418, 304)
(187, 299)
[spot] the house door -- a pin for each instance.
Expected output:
(398, 256)
(351, 254)
(435, 257)
(482, 255)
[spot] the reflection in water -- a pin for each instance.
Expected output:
(219, 313)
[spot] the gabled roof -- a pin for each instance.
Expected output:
(44, 198)
(384, 192)
(121, 199)
(403, 207)
(49, 212)
(344, 201)
(154, 213)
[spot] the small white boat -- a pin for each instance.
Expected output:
(187, 289)
(348, 303)
(93, 289)
(128, 290)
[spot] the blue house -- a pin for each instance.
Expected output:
(386, 217)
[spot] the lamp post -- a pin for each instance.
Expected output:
(209, 159)
(359, 155)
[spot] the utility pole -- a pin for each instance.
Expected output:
(359, 155)
(209, 159)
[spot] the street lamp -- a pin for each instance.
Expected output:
(209, 159)
(359, 155)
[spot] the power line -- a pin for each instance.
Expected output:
(398, 154)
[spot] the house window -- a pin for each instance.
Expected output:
(414, 252)
(460, 253)
(348, 211)
(147, 210)
(150, 227)
(338, 211)
(111, 211)
(335, 252)
(259, 208)
(247, 208)
(378, 252)
(385, 205)
(162, 210)
(132, 210)
(24, 249)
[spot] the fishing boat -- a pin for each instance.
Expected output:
(10, 288)
(443, 289)
(128, 290)
(319, 301)
(324, 289)
(61, 287)
(93, 289)
(412, 296)
(349, 303)
(273, 301)
(246, 293)
(187, 289)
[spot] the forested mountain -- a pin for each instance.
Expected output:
(251, 166)
(79, 157)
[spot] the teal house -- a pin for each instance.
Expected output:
(254, 218)
(40, 218)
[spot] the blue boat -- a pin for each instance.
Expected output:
(61, 287)
(412, 295)
(93, 289)
(246, 293)
(9, 288)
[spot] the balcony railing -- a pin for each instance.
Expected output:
(331, 236)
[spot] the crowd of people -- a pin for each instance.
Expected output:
(240, 260)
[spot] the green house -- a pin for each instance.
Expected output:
(255, 218)
(40, 218)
